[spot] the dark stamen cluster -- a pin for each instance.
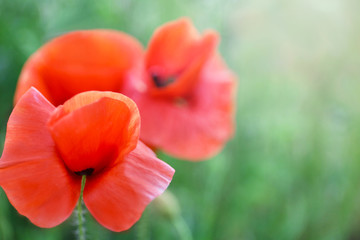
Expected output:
(160, 82)
(86, 172)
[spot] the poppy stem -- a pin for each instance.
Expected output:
(143, 227)
(81, 229)
(182, 228)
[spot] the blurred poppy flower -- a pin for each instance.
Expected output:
(186, 99)
(48, 149)
(81, 61)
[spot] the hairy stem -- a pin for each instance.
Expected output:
(143, 227)
(182, 228)
(80, 220)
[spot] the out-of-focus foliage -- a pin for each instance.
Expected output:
(292, 170)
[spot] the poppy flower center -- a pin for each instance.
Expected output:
(85, 172)
(161, 82)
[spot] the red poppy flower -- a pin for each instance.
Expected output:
(186, 99)
(185, 96)
(81, 61)
(47, 149)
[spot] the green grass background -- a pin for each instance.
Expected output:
(292, 170)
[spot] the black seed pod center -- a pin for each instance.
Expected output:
(160, 82)
(86, 172)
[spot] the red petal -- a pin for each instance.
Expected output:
(30, 77)
(189, 77)
(81, 61)
(178, 51)
(170, 47)
(197, 128)
(117, 197)
(93, 128)
(33, 176)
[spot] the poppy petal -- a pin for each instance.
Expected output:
(170, 47)
(82, 61)
(177, 51)
(30, 77)
(117, 197)
(195, 128)
(183, 85)
(32, 175)
(93, 128)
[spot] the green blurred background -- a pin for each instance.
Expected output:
(292, 170)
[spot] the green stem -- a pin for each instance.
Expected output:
(143, 227)
(81, 229)
(182, 228)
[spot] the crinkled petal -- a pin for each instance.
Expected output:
(118, 196)
(169, 50)
(177, 51)
(81, 61)
(30, 77)
(93, 128)
(189, 77)
(32, 175)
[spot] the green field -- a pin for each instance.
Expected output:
(292, 170)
